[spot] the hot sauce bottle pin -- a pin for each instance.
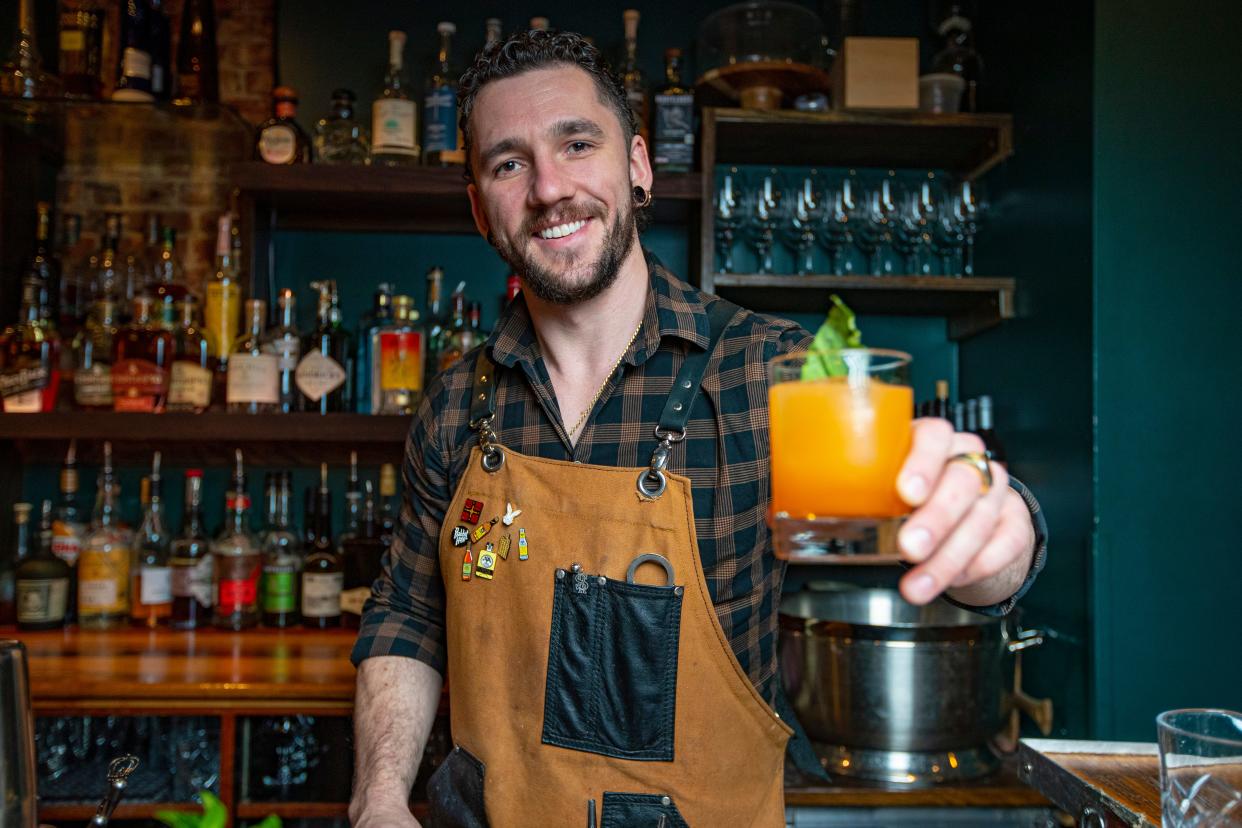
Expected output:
(467, 566)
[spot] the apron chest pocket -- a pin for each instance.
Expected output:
(612, 667)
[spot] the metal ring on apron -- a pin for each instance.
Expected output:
(493, 458)
(658, 483)
(642, 559)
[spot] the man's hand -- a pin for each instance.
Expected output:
(396, 815)
(977, 545)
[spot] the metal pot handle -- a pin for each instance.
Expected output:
(1026, 640)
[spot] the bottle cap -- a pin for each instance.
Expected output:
(285, 93)
(21, 512)
(942, 389)
(445, 27)
(193, 472)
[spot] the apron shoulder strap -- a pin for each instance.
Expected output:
(483, 395)
(686, 387)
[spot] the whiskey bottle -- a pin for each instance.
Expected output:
(279, 139)
(394, 119)
(322, 576)
(191, 562)
(134, 77)
(92, 357)
(151, 587)
(167, 279)
(284, 342)
(397, 368)
(42, 579)
(103, 569)
(238, 561)
(141, 362)
(378, 316)
(30, 356)
(282, 556)
(254, 373)
(222, 316)
(632, 77)
(190, 378)
(81, 49)
(44, 266)
(197, 68)
(322, 372)
(68, 527)
(440, 147)
(673, 123)
(435, 322)
(340, 138)
(22, 75)
(360, 560)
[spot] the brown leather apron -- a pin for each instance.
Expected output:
(580, 671)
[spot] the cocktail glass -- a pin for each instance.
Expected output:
(840, 429)
(1200, 768)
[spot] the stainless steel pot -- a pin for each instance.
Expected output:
(890, 691)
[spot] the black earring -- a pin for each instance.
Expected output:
(641, 197)
(491, 239)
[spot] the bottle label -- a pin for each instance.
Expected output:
(279, 588)
(72, 40)
(138, 385)
(318, 375)
(189, 386)
(253, 378)
(392, 126)
(41, 600)
(17, 382)
(278, 144)
(287, 350)
(92, 388)
(235, 595)
(191, 578)
(103, 579)
(674, 131)
(222, 315)
(353, 600)
(155, 585)
(440, 120)
(401, 361)
(67, 541)
(136, 63)
(27, 402)
(321, 594)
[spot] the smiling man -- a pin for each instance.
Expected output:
(583, 547)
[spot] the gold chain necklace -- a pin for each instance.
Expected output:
(591, 406)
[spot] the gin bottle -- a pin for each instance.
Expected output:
(323, 370)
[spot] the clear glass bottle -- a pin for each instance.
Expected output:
(193, 568)
(394, 117)
(322, 575)
(197, 59)
(632, 76)
(673, 122)
(440, 147)
(254, 372)
(958, 55)
(167, 278)
(360, 560)
(323, 372)
(280, 139)
(75, 277)
(455, 335)
(92, 357)
(30, 356)
(340, 138)
(222, 316)
(397, 364)
(109, 278)
(134, 74)
(22, 75)
(43, 265)
(151, 586)
(103, 568)
(282, 556)
(284, 342)
(68, 526)
(190, 378)
(141, 361)
(435, 322)
(238, 561)
(374, 318)
(41, 579)
(353, 502)
(82, 25)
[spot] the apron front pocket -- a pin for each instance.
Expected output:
(455, 792)
(612, 667)
(631, 810)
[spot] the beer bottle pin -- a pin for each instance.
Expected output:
(482, 529)
(522, 550)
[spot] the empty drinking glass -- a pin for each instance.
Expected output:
(803, 222)
(1200, 768)
(763, 217)
(728, 218)
(837, 233)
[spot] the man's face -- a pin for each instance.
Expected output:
(553, 172)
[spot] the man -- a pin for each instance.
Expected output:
(602, 591)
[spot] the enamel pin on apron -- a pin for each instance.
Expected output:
(487, 563)
(467, 566)
(522, 550)
(502, 548)
(482, 529)
(461, 536)
(471, 510)
(510, 514)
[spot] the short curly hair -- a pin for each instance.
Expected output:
(535, 49)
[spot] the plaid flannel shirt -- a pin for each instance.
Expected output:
(725, 455)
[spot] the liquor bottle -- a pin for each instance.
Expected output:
(30, 376)
(285, 344)
(540, 24)
(435, 322)
(193, 592)
(360, 560)
(134, 76)
(254, 373)
(92, 357)
(161, 51)
(81, 49)
(513, 286)
(388, 503)
(279, 139)
(151, 588)
(673, 122)
(940, 405)
(959, 417)
(168, 278)
(238, 561)
(972, 416)
(141, 362)
(339, 137)
(474, 324)
(223, 313)
(43, 265)
(397, 365)
(42, 580)
(68, 528)
(74, 278)
(492, 27)
(632, 77)
(958, 56)
(22, 75)
(282, 556)
(454, 335)
(322, 576)
(189, 382)
(440, 145)
(376, 317)
(322, 373)
(103, 568)
(108, 281)
(197, 68)
(987, 432)
(310, 505)
(353, 503)
(394, 130)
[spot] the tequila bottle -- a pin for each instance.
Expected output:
(151, 588)
(340, 138)
(238, 561)
(674, 119)
(279, 139)
(440, 144)
(103, 569)
(191, 561)
(394, 118)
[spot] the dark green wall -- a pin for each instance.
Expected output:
(1166, 560)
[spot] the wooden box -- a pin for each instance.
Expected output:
(877, 73)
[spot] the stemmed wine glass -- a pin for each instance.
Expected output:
(914, 225)
(803, 222)
(728, 218)
(874, 229)
(837, 232)
(946, 237)
(763, 217)
(969, 207)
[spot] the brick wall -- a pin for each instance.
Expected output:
(139, 160)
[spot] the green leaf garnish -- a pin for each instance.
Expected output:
(840, 330)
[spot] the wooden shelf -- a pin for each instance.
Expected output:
(297, 439)
(966, 144)
(417, 199)
(970, 305)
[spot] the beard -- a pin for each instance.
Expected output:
(559, 287)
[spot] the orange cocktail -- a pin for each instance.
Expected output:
(840, 433)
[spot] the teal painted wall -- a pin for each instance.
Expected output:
(1166, 562)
